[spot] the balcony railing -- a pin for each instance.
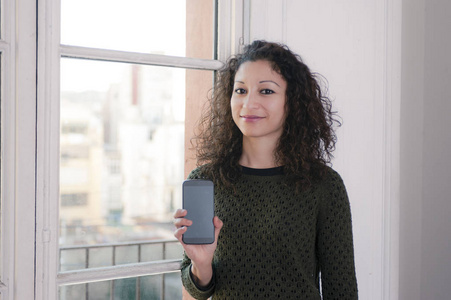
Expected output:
(135, 270)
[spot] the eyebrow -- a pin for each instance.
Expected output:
(270, 81)
(263, 81)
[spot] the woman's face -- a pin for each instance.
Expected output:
(258, 100)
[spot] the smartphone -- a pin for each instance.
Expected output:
(198, 200)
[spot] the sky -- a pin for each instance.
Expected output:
(149, 26)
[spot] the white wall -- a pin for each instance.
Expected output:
(425, 252)
(388, 64)
(411, 162)
(436, 208)
(347, 42)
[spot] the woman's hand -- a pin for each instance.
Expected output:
(201, 255)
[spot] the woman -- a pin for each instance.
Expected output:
(283, 222)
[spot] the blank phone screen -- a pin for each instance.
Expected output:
(198, 200)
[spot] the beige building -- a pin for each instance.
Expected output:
(80, 173)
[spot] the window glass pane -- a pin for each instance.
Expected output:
(73, 259)
(122, 147)
(156, 287)
(73, 292)
(157, 27)
(122, 161)
(111, 254)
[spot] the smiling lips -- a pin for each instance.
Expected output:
(251, 118)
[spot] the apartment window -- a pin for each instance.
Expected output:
(129, 76)
(75, 199)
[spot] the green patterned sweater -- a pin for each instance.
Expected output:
(279, 244)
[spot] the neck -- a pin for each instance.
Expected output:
(258, 153)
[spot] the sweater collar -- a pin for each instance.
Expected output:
(262, 172)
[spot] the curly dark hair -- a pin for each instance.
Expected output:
(308, 139)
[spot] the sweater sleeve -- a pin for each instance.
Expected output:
(335, 243)
(189, 284)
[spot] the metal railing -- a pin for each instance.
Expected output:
(82, 266)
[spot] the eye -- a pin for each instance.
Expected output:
(267, 92)
(240, 91)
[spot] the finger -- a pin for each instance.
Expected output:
(182, 222)
(217, 222)
(218, 225)
(180, 213)
(179, 233)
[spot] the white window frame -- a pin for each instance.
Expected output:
(7, 135)
(18, 111)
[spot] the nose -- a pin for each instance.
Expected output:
(251, 100)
